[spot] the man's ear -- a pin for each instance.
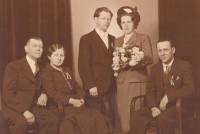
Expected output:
(173, 50)
(26, 48)
(96, 19)
(49, 57)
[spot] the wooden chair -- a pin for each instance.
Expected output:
(103, 101)
(184, 126)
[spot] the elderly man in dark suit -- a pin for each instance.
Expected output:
(95, 57)
(170, 79)
(24, 101)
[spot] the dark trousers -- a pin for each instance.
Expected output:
(110, 96)
(47, 121)
(165, 122)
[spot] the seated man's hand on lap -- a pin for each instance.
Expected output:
(155, 111)
(29, 117)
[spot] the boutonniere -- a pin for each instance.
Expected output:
(112, 45)
(177, 78)
(172, 80)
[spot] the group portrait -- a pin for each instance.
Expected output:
(99, 67)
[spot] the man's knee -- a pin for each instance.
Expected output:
(162, 119)
(21, 123)
(135, 116)
(18, 125)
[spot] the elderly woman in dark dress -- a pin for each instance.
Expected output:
(59, 83)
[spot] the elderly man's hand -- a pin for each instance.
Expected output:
(29, 117)
(42, 100)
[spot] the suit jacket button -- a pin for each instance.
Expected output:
(33, 86)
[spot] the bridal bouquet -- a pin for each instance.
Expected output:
(126, 57)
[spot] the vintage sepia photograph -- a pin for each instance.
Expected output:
(99, 67)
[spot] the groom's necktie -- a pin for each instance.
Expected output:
(166, 77)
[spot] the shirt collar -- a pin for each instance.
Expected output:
(170, 64)
(57, 68)
(101, 33)
(30, 61)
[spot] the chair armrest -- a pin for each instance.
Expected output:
(60, 109)
(191, 105)
(100, 99)
(133, 101)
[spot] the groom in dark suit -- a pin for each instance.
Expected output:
(23, 100)
(169, 80)
(95, 57)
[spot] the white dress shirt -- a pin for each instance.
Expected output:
(31, 63)
(170, 64)
(103, 35)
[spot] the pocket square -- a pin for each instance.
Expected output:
(112, 45)
(177, 78)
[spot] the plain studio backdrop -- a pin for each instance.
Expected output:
(82, 12)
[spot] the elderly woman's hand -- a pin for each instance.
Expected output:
(75, 102)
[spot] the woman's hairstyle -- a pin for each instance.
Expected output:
(53, 48)
(128, 11)
(99, 10)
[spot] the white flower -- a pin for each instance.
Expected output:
(141, 54)
(116, 68)
(121, 50)
(135, 50)
(132, 62)
(116, 58)
(133, 57)
(115, 74)
(124, 59)
(139, 57)
(115, 53)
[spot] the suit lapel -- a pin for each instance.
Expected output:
(98, 41)
(27, 70)
(132, 40)
(173, 69)
(160, 76)
(110, 44)
(120, 42)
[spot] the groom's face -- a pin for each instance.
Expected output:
(103, 21)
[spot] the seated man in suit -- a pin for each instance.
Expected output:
(170, 79)
(23, 100)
